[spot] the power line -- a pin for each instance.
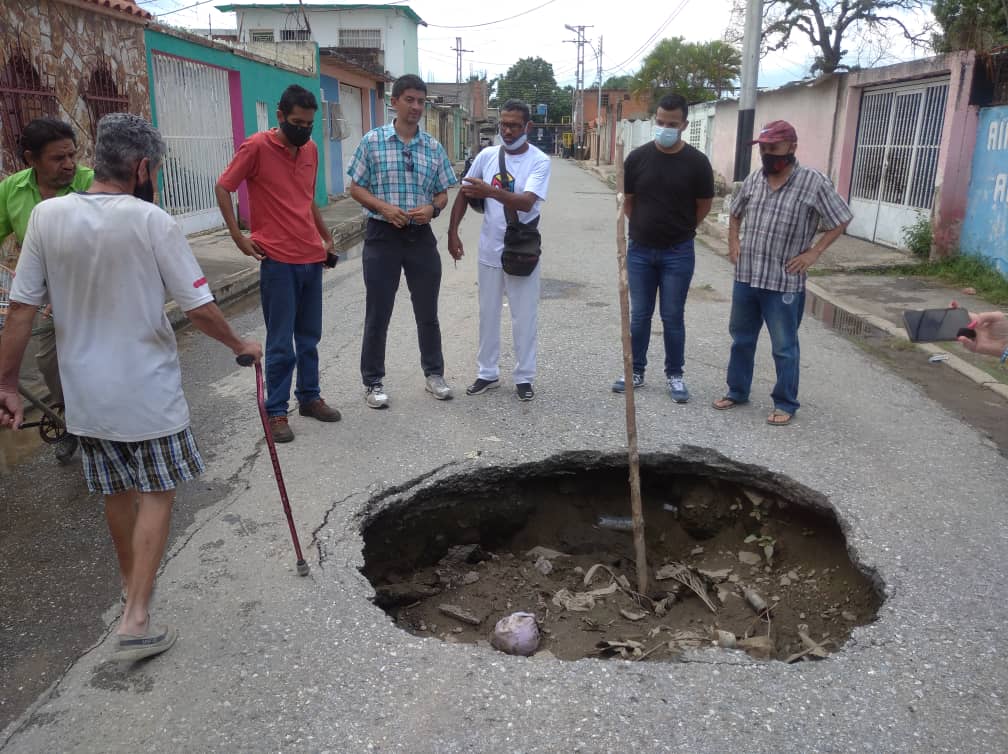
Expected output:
(491, 23)
(650, 39)
(179, 10)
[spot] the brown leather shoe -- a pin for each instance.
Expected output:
(280, 430)
(318, 409)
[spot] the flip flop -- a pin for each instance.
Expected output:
(732, 403)
(131, 648)
(771, 420)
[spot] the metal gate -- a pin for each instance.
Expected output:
(896, 159)
(350, 106)
(194, 116)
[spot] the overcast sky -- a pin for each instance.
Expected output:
(629, 30)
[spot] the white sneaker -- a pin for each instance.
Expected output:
(376, 396)
(437, 387)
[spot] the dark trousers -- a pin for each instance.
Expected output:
(291, 297)
(388, 254)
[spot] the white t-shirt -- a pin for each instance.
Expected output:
(107, 263)
(530, 171)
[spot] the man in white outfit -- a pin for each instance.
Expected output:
(522, 189)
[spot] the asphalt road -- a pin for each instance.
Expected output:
(270, 662)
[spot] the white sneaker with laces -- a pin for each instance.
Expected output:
(437, 387)
(376, 396)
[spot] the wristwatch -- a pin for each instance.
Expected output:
(437, 211)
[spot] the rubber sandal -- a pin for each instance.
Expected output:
(776, 413)
(130, 648)
(732, 403)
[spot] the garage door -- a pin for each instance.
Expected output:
(193, 103)
(896, 159)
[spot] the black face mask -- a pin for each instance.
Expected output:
(775, 163)
(296, 135)
(144, 191)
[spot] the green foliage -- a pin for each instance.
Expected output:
(618, 82)
(697, 71)
(532, 81)
(960, 271)
(918, 238)
(970, 25)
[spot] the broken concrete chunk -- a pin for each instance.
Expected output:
(725, 639)
(754, 497)
(544, 552)
(749, 558)
(544, 566)
(697, 550)
(848, 616)
(461, 554)
(716, 576)
(456, 612)
(396, 595)
(632, 614)
(785, 581)
(471, 578)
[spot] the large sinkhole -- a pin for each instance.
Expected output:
(738, 557)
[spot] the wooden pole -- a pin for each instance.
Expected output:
(636, 507)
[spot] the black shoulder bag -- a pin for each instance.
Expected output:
(522, 242)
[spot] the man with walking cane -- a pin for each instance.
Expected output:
(107, 261)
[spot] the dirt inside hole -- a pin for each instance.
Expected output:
(449, 560)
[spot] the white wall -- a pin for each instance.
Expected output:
(396, 29)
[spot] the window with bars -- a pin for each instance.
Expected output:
(295, 35)
(261, 35)
(605, 99)
(262, 116)
(102, 96)
(24, 96)
(370, 38)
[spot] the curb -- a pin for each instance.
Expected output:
(846, 318)
(346, 237)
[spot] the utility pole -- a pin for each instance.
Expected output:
(578, 104)
(458, 69)
(747, 96)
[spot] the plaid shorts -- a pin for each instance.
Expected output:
(154, 465)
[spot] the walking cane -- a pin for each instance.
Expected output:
(636, 508)
(246, 361)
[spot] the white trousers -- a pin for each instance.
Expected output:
(523, 300)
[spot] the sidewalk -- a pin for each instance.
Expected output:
(231, 274)
(853, 294)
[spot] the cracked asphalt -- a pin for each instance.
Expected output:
(267, 661)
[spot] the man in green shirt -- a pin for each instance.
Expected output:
(49, 147)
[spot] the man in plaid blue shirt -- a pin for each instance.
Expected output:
(401, 175)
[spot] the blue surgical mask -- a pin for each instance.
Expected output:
(666, 137)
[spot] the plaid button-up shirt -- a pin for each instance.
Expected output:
(779, 225)
(404, 175)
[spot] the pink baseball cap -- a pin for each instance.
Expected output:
(775, 132)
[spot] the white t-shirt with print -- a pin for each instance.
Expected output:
(107, 264)
(530, 171)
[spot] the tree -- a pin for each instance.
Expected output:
(532, 81)
(834, 26)
(698, 72)
(618, 82)
(970, 24)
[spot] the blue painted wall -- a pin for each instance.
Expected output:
(330, 88)
(985, 229)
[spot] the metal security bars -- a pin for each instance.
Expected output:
(194, 116)
(24, 96)
(102, 96)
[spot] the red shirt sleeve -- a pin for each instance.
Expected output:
(243, 165)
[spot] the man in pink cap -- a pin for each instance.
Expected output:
(782, 206)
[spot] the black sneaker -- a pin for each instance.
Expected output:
(481, 386)
(525, 391)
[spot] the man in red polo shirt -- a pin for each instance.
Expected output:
(291, 241)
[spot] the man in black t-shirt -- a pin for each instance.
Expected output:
(668, 187)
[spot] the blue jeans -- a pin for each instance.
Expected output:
(659, 271)
(782, 314)
(291, 297)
